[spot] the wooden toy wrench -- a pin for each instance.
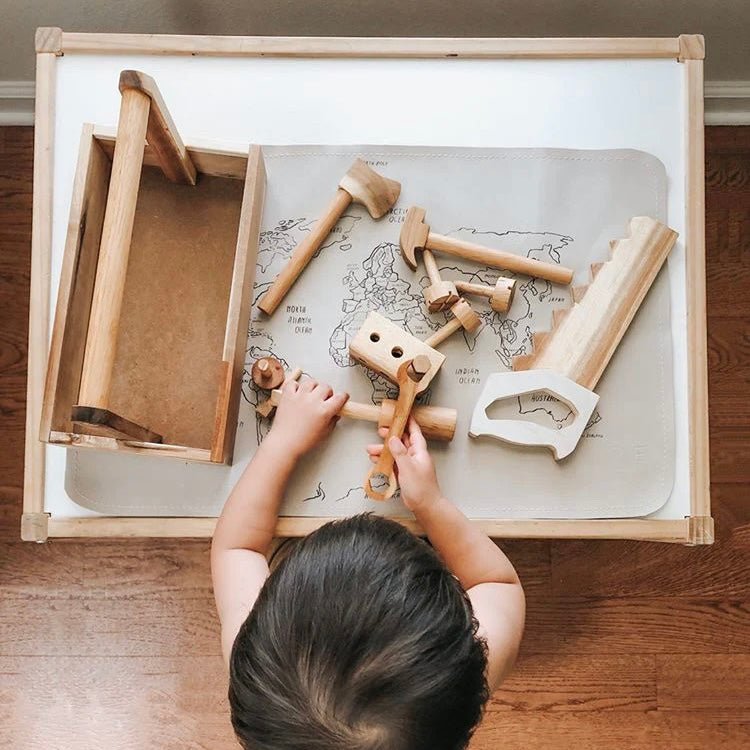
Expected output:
(569, 360)
(409, 375)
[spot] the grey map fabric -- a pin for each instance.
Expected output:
(560, 206)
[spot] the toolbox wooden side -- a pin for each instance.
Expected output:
(193, 337)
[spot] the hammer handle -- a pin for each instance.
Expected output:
(304, 252)
(431, 267)
(479, 289)
(498, 259)
(114, 250)
(443, 333)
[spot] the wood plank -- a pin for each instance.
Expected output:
(698, 682)
(601, 569)
(566, 625)
(695, 273)
(116, 703)
(679, 730)
(16, 165)
(730, 447)
(145, 568)
(541, 682)
(76, 286)
(729, 371)
(347, 47)
(151, 626)
(41, 248)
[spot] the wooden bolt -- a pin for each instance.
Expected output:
(500, 295)
(360, 184)
(463, 317)
(437, 422)
(266, 407)
(416, 235)
(267, 373)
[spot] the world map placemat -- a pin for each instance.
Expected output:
(560, 206)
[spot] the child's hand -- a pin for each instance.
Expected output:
(416, 473)
(306, 415)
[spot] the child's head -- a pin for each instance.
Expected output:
(361, 639)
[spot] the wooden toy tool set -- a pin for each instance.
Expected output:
(566, 362)
(430, 268)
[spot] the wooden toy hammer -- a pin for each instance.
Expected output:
(360, 184)
(500, 295)
(440, 294)
(416, 235)
(463, 317)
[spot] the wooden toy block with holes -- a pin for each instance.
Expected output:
(157, 270)
(569, 360)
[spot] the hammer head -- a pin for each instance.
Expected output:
(413, 235)
(375, 192)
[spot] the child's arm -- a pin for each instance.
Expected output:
(482, 568)
(305, 416)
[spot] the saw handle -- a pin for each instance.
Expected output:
(500, 385)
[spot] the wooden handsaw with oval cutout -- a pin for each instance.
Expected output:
(568, 360)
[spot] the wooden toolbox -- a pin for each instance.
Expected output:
(149, 338)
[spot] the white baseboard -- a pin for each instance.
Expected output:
(727, 102)
(16, 103)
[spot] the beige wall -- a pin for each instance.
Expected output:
(726, 24)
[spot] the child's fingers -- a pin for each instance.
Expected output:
(335, 402)
(396, 447)
(324, 390)
(289, 386)
(374, 449)
(415, 435)
(308, 385)
(383, 432)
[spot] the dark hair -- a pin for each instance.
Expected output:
(361, 639)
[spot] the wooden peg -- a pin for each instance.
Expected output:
(360, 184)
(500, 295)
(437, 422)
(416, 235)
(267, 373)
(409, 375)
(266, 407)
(463, 317)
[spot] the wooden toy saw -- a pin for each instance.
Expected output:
(568, 361)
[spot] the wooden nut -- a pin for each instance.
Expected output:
(440, 296)
(464, 312)
(267, 373)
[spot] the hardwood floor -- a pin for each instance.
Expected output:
(628, 645)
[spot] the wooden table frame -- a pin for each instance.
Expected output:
(697, 528)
